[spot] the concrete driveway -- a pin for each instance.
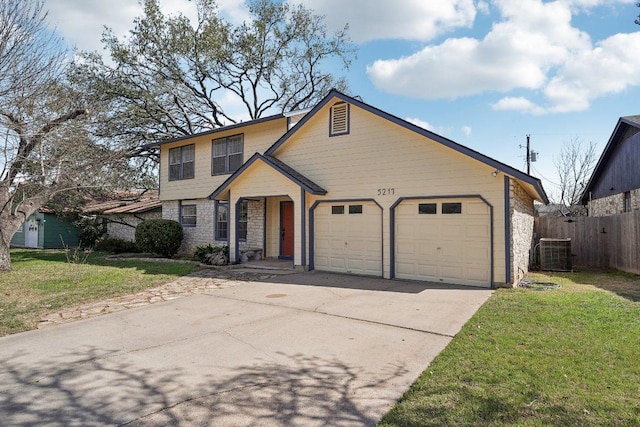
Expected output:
(314, 349)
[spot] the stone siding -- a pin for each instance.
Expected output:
(255, 225)
(125, 225)
(204, 231)
(521, 231)
(614, 204)
(200, 235)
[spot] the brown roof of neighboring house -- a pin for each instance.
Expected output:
(126, 203)
(137, 207)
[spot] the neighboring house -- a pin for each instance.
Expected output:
(346, 187)
(614, 186)
(45, 230)
(559, 210)
(125, 211)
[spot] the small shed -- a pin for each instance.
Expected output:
(45, 230)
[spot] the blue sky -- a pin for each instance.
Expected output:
(482, 73)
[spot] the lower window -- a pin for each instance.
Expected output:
(188, 217)
(451, 208)
(243, 219)
(222, 221)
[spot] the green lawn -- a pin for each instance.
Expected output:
(569, 356)
(43, 281)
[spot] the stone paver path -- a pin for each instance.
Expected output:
(199, 282)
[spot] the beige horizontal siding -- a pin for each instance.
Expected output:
(380, 155)
(261, 180)
(257, 138)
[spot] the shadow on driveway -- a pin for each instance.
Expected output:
(345, 281)
(101, 388)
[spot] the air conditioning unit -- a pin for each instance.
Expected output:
(555, 254)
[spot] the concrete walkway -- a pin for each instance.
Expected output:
(297, 349)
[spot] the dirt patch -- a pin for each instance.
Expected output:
(626, 285)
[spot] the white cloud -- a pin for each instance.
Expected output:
(235, 11)
(517, 53)
(518, 104)
(611, 67)
(440, 130)
(382, 19)
(534, 46)
(82, 23)
(466, 130)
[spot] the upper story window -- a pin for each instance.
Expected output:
(339, 119)
(226, 154)
(181, 162)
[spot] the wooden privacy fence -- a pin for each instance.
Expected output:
(608, 241)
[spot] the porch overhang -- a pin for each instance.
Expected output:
(287, 171)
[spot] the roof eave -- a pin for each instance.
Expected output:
(216, 130)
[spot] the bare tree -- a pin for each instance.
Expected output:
(46, 147)
(574, 167)
(173, 77)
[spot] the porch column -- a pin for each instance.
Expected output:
(231, 236)
(297, 224)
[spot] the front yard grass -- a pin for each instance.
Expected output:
(569, 356)
(43, 281)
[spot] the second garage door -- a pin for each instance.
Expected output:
(443, 240)
(348, 237)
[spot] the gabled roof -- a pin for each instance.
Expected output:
(533, 181)
(617, 137)
(279, 166)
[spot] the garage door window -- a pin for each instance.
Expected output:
(337, 210)
(427, 208)
(355, 209)
(451, 208)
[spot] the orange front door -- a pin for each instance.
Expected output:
(286, 230)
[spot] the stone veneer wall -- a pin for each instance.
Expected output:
(203, 232)
(521, 224)
(614, 204)
(255, 225)
(117, 230)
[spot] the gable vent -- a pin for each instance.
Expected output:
(339, 119)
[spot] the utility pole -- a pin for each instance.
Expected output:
(528, 155)
(531, 156)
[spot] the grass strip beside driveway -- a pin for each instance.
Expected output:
(561, 357)
(43, 281)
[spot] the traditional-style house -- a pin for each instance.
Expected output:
(614, 186)
(346, 187)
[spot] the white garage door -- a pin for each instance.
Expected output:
(348, 238)
(443, 240)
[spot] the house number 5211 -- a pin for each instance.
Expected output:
(386, 191)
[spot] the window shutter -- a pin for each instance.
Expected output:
(339, 119)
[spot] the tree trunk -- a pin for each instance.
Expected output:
(5, 259)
